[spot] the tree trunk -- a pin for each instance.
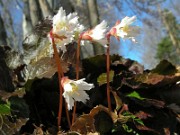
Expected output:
(35, 11)
(51, 3)
(172, 35)
(45, 8)
(170, 29)
(67, 5)
(3, 35)
(26, 24)
(94, 20)
(12, 38)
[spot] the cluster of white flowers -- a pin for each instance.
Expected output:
(67, 29)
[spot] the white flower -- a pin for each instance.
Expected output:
(65, 28)
(75, 91)
(124, 29)
(97, 34)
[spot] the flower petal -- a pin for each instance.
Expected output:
(69, 100)
(81, 96)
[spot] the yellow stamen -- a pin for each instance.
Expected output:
(74, 88)
(125, 28)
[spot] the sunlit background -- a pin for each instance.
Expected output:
(158, 19)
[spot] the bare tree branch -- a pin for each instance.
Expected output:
(26, 24)
(45, 8)
(94, 20)
(35, 11)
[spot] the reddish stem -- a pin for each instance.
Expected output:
(77, 75)
(67, 115)
(74, 113)
(77, 59)
(56, 56)
(60, 74)
(108, 71)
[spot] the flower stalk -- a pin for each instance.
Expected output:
(77, 75)
(60, 75)
(78, 58)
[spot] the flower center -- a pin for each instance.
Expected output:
(125, 29)
(61, 25)
(74, 88)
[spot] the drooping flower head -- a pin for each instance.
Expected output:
(65, 28)
(75, 91)
(97, 34)
(124, 29)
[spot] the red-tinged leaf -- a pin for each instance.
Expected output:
(142, 127)
(150, 78)
(124, 108)
(156, 103)
(142, 115)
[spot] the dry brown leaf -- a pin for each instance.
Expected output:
(96, 133)
(45, 67)
(150, 78)
(84, 124)
(167, 131)
(6, 95)
(9, 128)
(117, 100)
(38, 130)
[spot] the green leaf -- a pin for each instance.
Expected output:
(102, 79)
(139, 121)
(127, 129)
(117, 100)
(134, 94)
(133, 117)
(5, 109)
